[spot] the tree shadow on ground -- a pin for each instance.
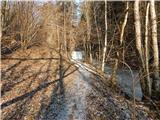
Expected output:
(34, 91)
(57, 102)
(22, 101)
(19, 73)
(17, 77)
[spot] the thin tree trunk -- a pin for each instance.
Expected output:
(139, 45)
(114, 72)
(90, 53)
(105, 44)
(124, 23)
(121, 54)
(88, 28)
(99, 42)
(1, 27)
(64, 28)
(138, 30)
(154, 37)
(147, 52)
(156, 79)
(85, 48)
(58, 40)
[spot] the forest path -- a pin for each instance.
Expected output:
(40, 95)
(71, 104)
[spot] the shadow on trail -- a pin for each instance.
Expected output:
(18, 74)
(57, 102)
(22, 101)
(16, 77)
(25, 76)
(33, 92)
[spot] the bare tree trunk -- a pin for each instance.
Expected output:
(90, 53)
(98, 36)
(139, 45)
(154, 37)
(0, 30)
(64, 27)
(1, 21)
(124, 23)
(58, 40)
(88, 16)
(138, 30)
(105, 44)
(156, 79)
(85, 48)
(122, 51)
(147, 52)
(114, 72)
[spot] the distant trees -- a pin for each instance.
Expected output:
(117, 39)
(7, 17)
(20, 22)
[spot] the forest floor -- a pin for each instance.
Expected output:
(39, 88)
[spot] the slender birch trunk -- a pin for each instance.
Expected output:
(64, 27)
(154, 37)
(146, 51)
(156, 79)
(105, 44)
(139, 45)
(124, 23)
(138, 30)
(121, 53)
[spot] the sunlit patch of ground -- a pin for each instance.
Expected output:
(24, 83)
